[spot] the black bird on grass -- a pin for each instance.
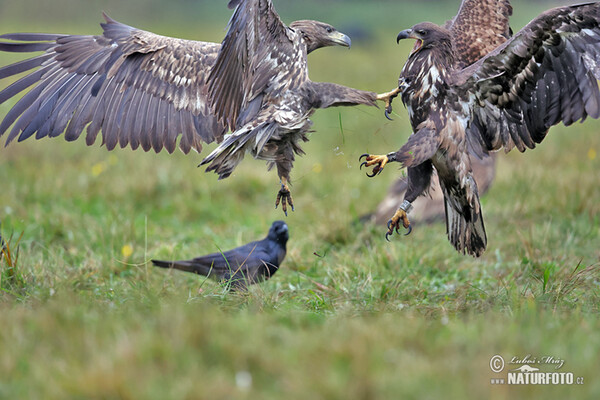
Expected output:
(245, 265)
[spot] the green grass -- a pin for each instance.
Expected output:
(349, 315)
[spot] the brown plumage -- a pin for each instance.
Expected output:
(138, 88)
(261, 90)
(477, 29)
(545, 74)
(145, 90)
(430, 207)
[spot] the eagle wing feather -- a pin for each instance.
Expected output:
(257, 55)
(137, 87)
(478, 28)
(546, 74)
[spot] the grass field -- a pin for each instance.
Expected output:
(349, 315)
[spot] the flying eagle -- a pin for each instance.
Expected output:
(150, 91)
(478, 28)
(545, 74)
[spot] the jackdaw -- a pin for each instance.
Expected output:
(244, 265)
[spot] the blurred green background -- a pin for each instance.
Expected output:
(349, 315)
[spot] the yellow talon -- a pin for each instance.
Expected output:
(284, 196)
(378, 162)
(387, 98)
(394, 223)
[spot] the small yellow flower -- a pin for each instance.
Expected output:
(592, 154)
(317, 168)
(97, 169)
(127, 251)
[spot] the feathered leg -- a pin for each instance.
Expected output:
(419, 179)
(415, 155)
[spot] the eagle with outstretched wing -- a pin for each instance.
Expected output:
(545, 74)
(140, 89)
(478, 28)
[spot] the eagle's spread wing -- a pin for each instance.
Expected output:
(257, 53)
(547, 73)
(479, 27)
(139, 88)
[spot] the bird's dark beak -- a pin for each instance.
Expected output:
(410, 34)
(340, 39)
(405, 34)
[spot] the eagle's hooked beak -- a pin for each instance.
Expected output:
(405, 34)
(340, 39)
(409, 34)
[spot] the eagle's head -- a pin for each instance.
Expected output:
(427, 35)
(319, 34)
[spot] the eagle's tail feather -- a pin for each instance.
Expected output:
(465, 227)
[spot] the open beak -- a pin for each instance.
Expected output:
(340, 39)
(409, 34)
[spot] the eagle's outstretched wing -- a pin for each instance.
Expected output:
(139, 88)
(479, 27)
(546, 74)
(257, 54)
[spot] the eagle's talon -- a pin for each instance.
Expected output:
(377, 162)
(284, 196)
(394, 224)
(387, 112)
(388, 98)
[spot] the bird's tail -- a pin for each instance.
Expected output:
(186, 266)
(230, 152)
(464, 224)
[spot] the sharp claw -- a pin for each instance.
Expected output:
(387, 237)
(362, 165)
(389, 224)
(372, 175)
(387, 115)
(364, 155)
(409, 230)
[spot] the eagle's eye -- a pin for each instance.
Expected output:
(422, 32)
(329, 29)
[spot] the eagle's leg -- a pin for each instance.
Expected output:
(387, 98)
(377, 162)
(284, 196)
(419, 180)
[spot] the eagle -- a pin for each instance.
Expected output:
(140, 89)
(478, 28)
(545, 74)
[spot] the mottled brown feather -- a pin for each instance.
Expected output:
(121, 83)
(257, 50)
(546, 74)
(479, 27)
